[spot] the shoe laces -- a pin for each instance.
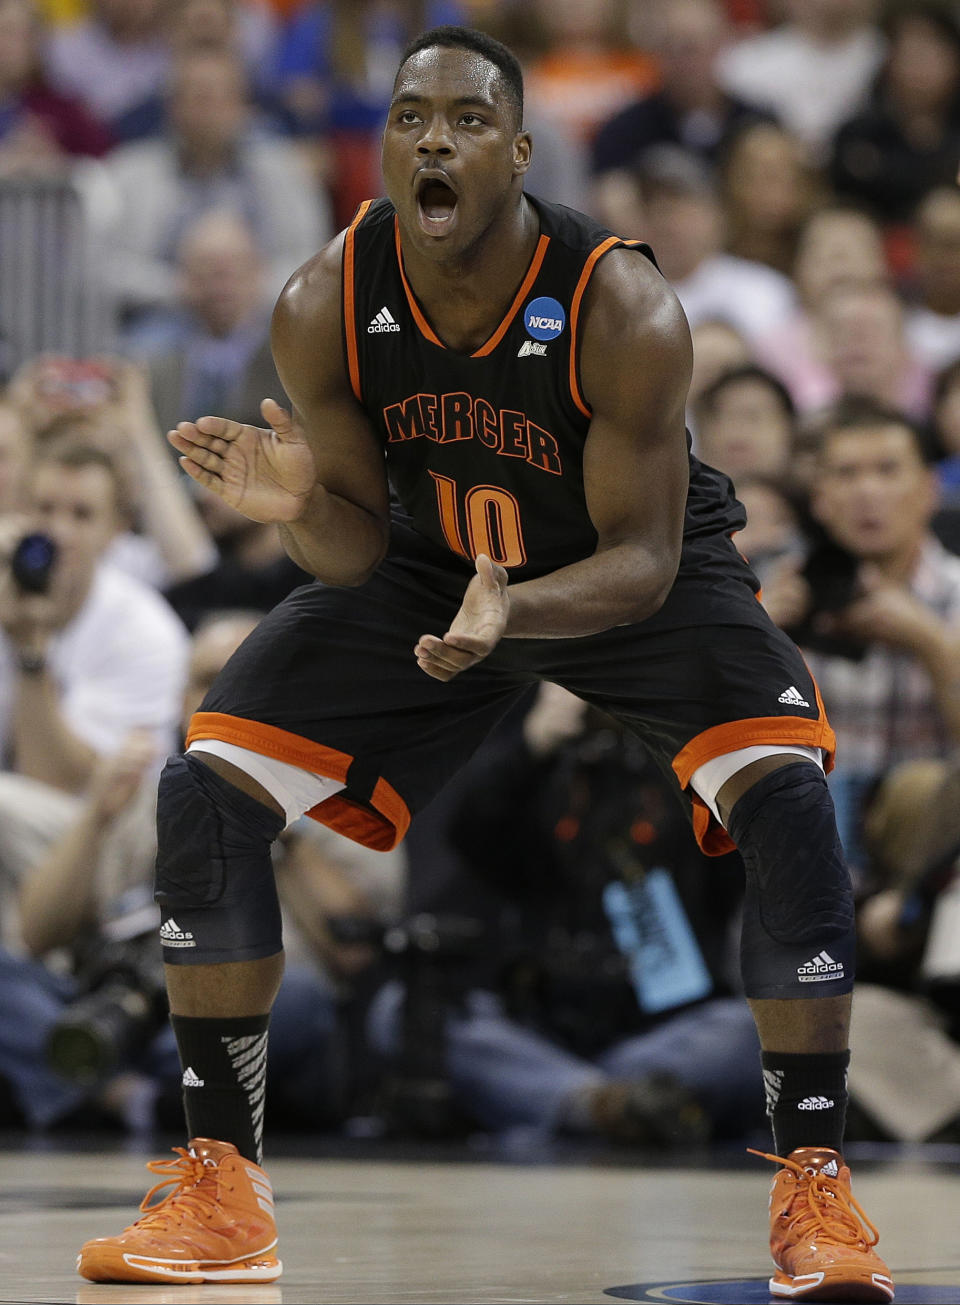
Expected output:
(191, 1194)
(822, 1207)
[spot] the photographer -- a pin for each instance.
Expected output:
(89, 899)
(610, 1013)
(87, 653)
(106, 403)
(876, 605)
(906, 1018)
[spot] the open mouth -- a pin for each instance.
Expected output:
(436, 205)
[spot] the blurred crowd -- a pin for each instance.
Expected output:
(550, 952)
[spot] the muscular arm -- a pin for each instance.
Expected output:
(635, 367)
(342, 533)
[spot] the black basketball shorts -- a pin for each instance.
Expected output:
(328, 682)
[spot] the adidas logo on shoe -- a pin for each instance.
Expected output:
(819, 1103)
(192, 1079)
(171, 935)
(792, 697)
(820, 968)
(384, 321)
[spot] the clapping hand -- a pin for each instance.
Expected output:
(266, 474)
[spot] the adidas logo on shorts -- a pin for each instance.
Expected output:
(792, 697)
(171, 935)
(384, 321)
(820, 968)
(818, 1103)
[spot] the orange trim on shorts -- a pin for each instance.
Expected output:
(349, 306)
(532, 273)
(730, 737)
(381, 828)
(592, 259)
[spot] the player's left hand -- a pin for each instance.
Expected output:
(476, 629)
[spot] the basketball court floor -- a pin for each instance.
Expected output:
(472, 1230)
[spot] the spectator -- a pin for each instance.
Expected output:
(586, 65)
(96, 655)
(718, 347)
(676, 208)
(244, 28)
(209, 161)
(745, 424)
(39, 128)
(111, 58)
(933, 320)
(865, 350)
(689, 109)
(768, 191)
(105, 403)
(95, 858)
(218, 355)
(813, 71)
(907, 140)
(589, 1032)
(906, 1026)
(81, 665)
(252, 569)
(837, 246)
(773, 531)
(891, 641)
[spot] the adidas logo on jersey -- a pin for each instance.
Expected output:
(531, 347)
(793, 698)
(819, 968)
(171, 935)
(191, 1078)
(818, 1103)
(384, 321)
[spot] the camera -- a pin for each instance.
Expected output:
(122, 1002)
(433, 957)
(32, 563)
(832, 575)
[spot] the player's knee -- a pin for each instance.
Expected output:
(798, 926)
(214, 882)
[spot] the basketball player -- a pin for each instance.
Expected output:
(520, 376)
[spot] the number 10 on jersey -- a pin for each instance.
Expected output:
(487, 516)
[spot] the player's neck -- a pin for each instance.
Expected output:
(466, 298)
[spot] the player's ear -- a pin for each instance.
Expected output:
(522, 152)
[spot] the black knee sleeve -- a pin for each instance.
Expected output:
(214, 881)
(798, 920)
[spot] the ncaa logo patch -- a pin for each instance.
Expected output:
(544, 318)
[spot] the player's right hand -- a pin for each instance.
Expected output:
(267, 474)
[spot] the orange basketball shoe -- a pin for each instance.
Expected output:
(215, 1226)
(821, 1240)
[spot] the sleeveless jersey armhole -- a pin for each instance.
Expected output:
(349, 304)
(593, 258)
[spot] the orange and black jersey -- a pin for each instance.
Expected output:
(485, 450)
